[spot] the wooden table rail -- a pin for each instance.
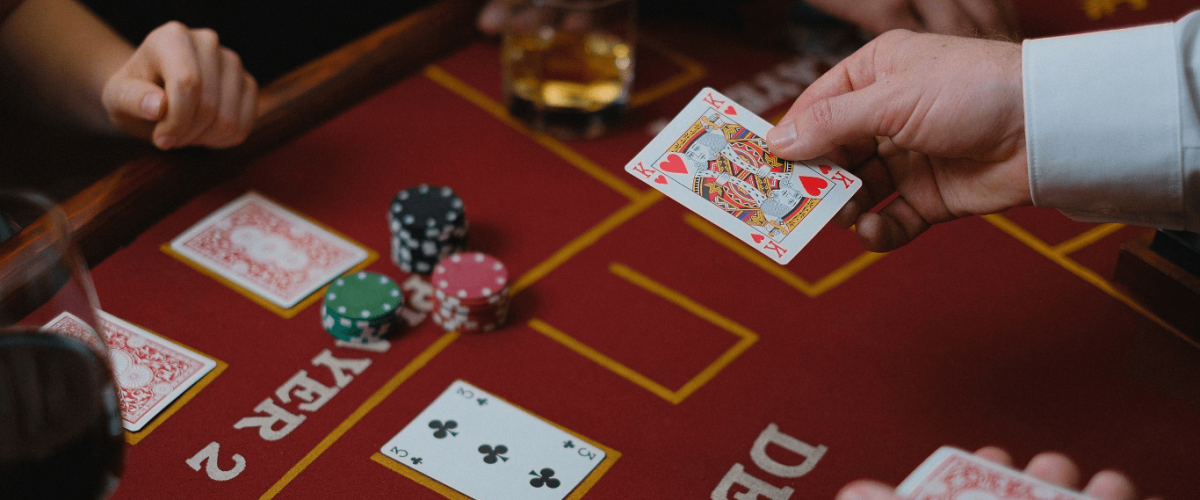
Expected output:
(109, 213)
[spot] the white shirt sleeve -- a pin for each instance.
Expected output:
(1111, 124)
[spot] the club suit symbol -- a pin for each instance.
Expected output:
(441, 430)
(544, 478)
(490, 454)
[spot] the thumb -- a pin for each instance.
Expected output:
(867, 490)
(135, 98)
(830, 122)
(846, 104)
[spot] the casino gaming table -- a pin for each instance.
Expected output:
(687, 356)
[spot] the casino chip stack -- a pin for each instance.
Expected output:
(428, 223)
(361, 307)
(471, 293)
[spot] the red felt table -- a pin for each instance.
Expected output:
(646, 330)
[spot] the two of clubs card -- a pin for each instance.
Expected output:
(487, 449)
(712, 158)
(953, 474)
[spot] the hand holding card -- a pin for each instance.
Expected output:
(938, 122)
(712, 158)
(953, 474)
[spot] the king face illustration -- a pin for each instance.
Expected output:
(735, 171)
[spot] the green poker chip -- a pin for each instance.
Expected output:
(356, 331)
(342, 328)
(363, 297)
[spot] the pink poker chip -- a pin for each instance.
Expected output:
(470, 276)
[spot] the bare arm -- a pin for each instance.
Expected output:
(180, 87)
(58, 56)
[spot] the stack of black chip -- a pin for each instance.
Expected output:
(428, 224)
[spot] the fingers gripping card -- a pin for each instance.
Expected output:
(712, 158)
(484, 448)
(953, 474)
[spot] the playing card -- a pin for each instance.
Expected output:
(953, 474)
(713, 159)
(150, 371)
(268, 250)
(488, 449)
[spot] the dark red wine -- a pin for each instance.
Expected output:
(60, 427)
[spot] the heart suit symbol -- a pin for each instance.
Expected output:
(673, 164)
(813, 185)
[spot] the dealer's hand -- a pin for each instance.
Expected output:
(491, 17)
(937, 119)
(988, 18)
(181, 88)
(1050, 467)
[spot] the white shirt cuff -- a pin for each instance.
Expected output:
(1102, 126)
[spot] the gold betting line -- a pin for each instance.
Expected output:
(589, 237)
(745, 335)
(1081, 271)
(497, 110)
(812, 290)
(1087, 238)
(692, 72)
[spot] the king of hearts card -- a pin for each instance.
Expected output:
(713, 159)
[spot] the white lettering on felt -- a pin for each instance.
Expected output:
(339, 367)
(313, 394)
(208, 457)
(267, 424)
(755, 487)
(811, 454)
(274, 422)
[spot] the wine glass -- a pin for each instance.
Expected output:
(60, 422)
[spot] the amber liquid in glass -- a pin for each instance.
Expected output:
(572, 85)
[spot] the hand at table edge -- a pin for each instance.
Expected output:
(181, 87)
(1049, 466)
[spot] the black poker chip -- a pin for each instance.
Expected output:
(428, 223)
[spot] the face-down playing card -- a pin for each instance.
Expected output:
(953, 474)
(712, 158)
(151, 372)
(487, 449)
(267, 250)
